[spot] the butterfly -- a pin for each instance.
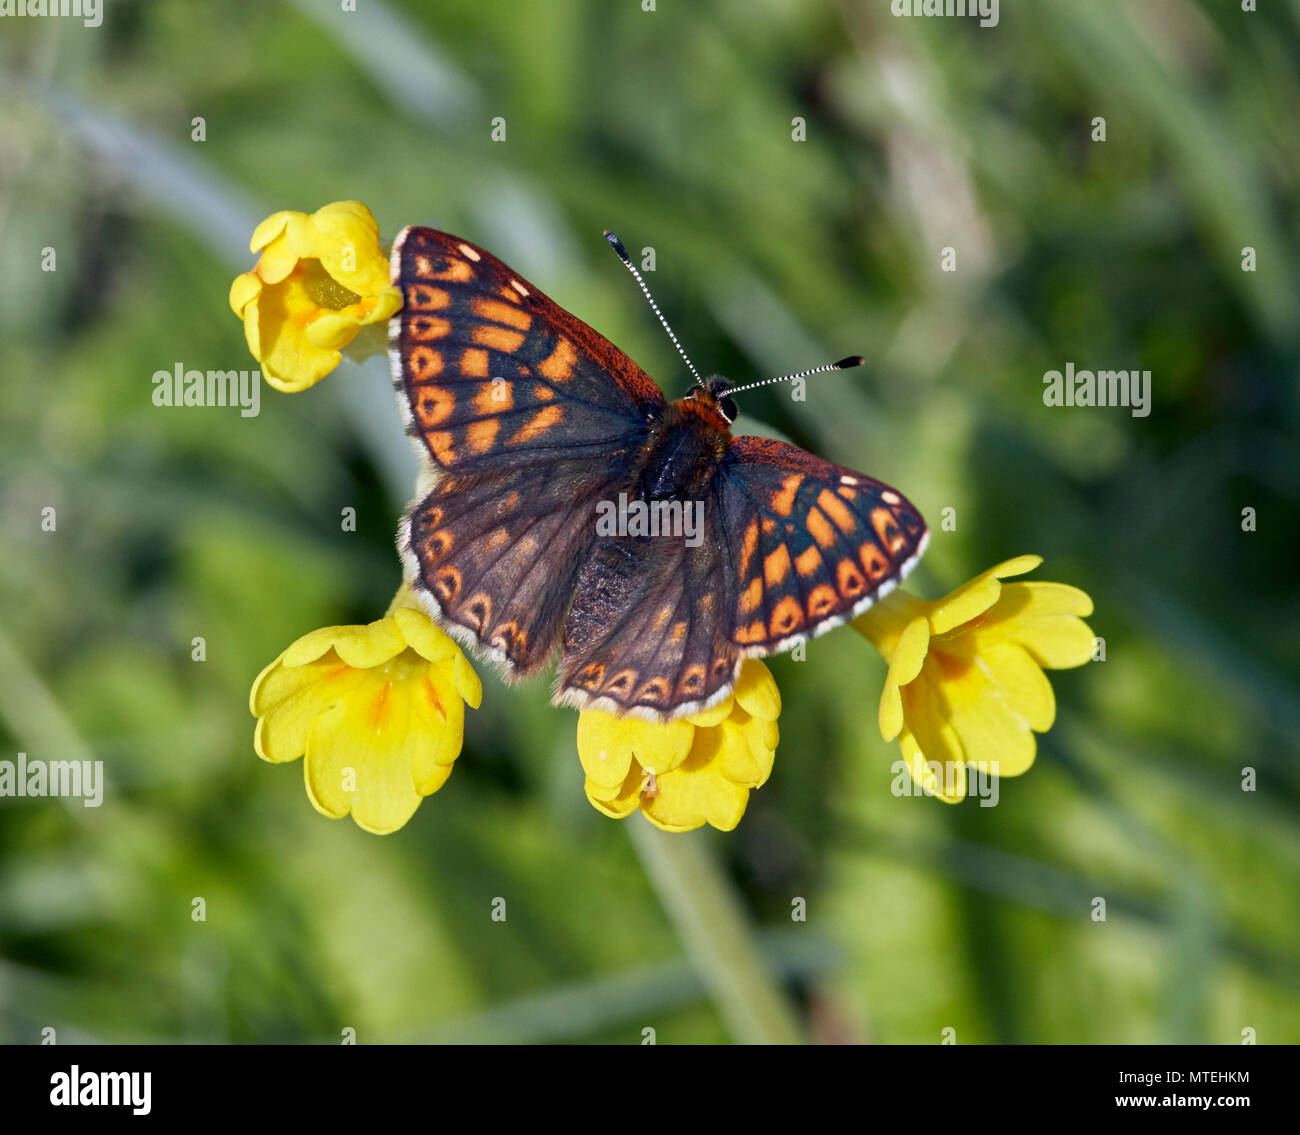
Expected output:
(531, 424)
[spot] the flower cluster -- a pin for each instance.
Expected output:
(378, 711)
(319, 280)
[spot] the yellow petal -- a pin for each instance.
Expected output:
(290, 700)
(974, 598)
(990, 729)
(710, 717)
(361, 647)
(1042, 617)
(620, 802)
(1025, 687)
(384, 797)
(740, 756)
(693, 795)
(904, 666)
(468, 684)
(269, 229)
(333, 330)
(604, 748)
(244, 288)
(946, 782)
(756, 691)
(423, 635)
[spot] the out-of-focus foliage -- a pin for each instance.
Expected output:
(673, 127)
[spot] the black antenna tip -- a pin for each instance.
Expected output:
(850, 362)
(617, 246)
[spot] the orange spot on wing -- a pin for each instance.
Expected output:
(500, 312)
(874, 562)
(558, 365)
(590, 675)
(422, 297)
(834, 507)
(423, 364)
(882, 520)
(787, 617)
(479, 607)
(427, 327)
(498, 338)
(456, 272)
(481, 434)
(783, 501)
(538, 424)
(808, 561)
(493, 398)
(821, 528)
(498, 538)
(755, 632)
(441, 444)
(693, 680)
(434, 405)
(446, 584)
(654, 692)
(823, 600)
(849, 579)
(621, 683)
(474, 363)
(752, 596)
(747, 547)
(776, 565)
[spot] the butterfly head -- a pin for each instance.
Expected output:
(714, 394)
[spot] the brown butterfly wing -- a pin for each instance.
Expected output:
(807, 544)
(647, 633)
(492, 373)
(497, 557)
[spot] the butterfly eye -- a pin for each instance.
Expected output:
(728, 408)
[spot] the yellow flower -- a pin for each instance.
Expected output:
(378, 710)
(690, 772)
(966, 683)
(320, 279)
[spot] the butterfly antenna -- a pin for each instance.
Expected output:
(843, 364)
(617, 246)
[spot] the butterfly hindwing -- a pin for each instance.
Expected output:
(493, 374)
(647, 633)
(806, 544)
(497, 556)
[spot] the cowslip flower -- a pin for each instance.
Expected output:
(377, 711)
(966, 685)
(320, 279)
(690, 772)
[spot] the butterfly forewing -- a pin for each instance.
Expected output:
(494, 374)
(807, 544)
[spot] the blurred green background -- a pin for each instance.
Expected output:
(672, 127)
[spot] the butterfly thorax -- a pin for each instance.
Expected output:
(685, 446)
